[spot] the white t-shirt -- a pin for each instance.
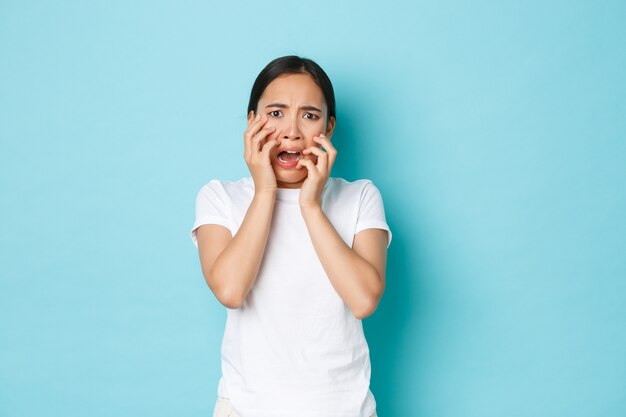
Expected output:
(294, 348)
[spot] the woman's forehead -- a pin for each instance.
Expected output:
(300, 87)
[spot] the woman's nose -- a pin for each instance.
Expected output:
(292, 130)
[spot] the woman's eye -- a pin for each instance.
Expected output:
(275, 113)
(311, 116)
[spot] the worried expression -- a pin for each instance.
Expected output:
(294, 104)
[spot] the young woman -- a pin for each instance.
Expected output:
(297, 257)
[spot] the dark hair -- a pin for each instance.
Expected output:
(292, 64)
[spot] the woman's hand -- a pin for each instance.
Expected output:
(311, 192)
(257, 148)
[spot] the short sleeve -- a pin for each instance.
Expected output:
(212, 207)
(372, 211)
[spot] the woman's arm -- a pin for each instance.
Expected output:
(357, 274)
(230, 264)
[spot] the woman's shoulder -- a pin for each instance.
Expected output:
(344, 184)
(342, 187)
(241, 182)
(229, 186)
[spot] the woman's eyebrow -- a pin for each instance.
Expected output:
(284, 106)
(279, 105)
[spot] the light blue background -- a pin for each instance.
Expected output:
(496, 132)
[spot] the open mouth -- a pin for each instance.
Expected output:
(288, 157)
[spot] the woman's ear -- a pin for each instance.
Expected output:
(250, 116)
(330, 127)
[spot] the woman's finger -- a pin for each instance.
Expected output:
(330, 149)
(252, 123)
(322, 157)
(267, 148)
(308, 164)
(262, 134)
(255, 126)
(247, 136)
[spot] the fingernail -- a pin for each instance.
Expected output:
(258, 116)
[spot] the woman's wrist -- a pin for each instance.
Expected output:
(310, 208)
(265, 193)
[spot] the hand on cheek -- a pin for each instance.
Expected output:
(258, 145)
(319, 164)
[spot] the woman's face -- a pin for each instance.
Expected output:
(295, 105)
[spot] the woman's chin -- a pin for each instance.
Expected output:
(291, 177)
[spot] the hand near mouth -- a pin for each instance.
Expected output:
(257, 148)
(318, 173)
